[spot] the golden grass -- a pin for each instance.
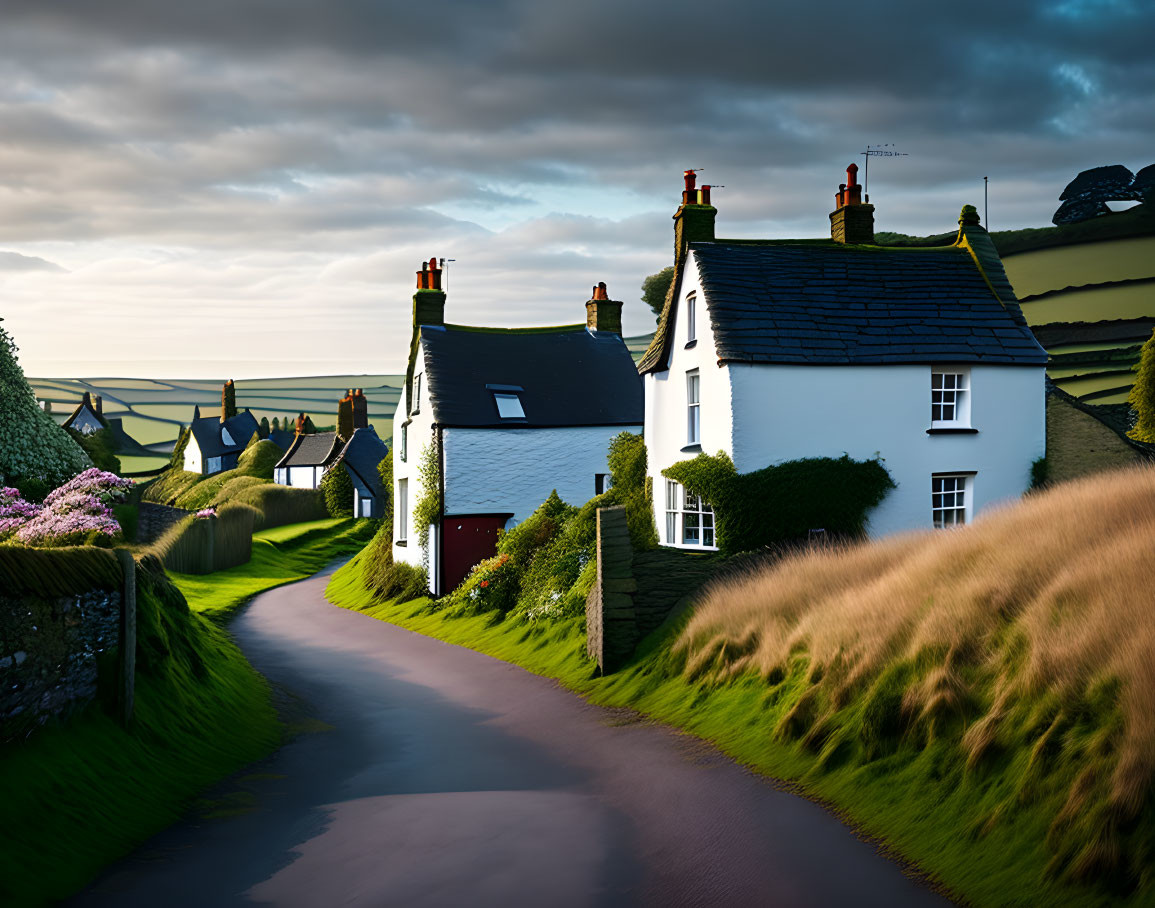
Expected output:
(1036, 619)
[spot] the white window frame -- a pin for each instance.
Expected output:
(693, 407)
(686, 514)
(402, 510)
(404, 441)
(691, 318)
(951, 499)
(950, 398)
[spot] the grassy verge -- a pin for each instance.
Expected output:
(76, 796)
(979, 700)
(280, 555)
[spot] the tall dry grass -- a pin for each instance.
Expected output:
(1037, 618)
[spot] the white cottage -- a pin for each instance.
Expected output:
(778, 350)
(216, 442)
(497, 419)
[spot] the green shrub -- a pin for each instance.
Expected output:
(1142, 396)
(99, 448)
(32, 446)
(337, 488)
(233, 487)
(782, 503)
(1039, 470)
(127, 515)
(170, 485)
(177, 459)
(395, 580)
(204, 545)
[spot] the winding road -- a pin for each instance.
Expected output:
(431, 775)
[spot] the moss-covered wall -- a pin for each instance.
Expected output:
(1078, 444)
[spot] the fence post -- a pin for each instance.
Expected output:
(127, 689)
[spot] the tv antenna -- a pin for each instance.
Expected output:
(445, 267)
(878, 151)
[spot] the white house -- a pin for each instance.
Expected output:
(784, 349)
(499, 418)
(215, 442)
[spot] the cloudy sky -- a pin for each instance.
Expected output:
(246, 187)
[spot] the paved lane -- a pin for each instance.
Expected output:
(431, 775)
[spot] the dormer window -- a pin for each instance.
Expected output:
(508, 400)
(508, 405)
(226, 437)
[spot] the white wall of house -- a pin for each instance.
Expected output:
(419, 435)
(500, 471)
(766, 414)
(825, 411)
(305, 477)
(193, 462)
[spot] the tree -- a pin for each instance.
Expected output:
(655, 288)
(33, 448)
(1142, 397)
(276, 424)
(228, 400)
(264, 427)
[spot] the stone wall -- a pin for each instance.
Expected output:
(635, 592)
(1078, 444)
(59, 651)
(155, 520)
(51, 651)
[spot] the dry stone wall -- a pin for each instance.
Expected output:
(52, 654)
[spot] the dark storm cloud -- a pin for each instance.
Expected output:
(537, 140)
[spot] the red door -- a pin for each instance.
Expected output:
(465, 542)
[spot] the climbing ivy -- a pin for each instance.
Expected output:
(784, 502)
(427, 509)
(1142, 397)
(337, 488)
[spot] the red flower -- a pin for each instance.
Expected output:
(484, 583)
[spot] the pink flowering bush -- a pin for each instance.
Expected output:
(77, 513)
(108, 487)
(14, 511)
(207, 512)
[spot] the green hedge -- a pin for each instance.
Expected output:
(65, 571)
(785, 502)
(337, 488)
(281, 505)
(204, 545)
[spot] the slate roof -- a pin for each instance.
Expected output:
(207, 430)
(316, 450)
(282, 439)
(361, 455)
(565, 376)
(824, 303)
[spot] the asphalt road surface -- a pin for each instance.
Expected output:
(431, 775)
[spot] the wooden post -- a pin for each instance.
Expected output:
(126, 690)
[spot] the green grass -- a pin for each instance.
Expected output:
(281, 555)
(922, 802)
(76, 796)
(132, 464)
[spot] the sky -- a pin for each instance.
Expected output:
(245, 189)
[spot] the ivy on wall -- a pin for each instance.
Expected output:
(337, 488)
(784, 502)
(427, 509)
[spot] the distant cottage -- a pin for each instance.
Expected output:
(354, 446)
(493, 419)
(216, 442)
(776, 350)
(88, 417)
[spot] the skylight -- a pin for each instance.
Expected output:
(508, 405)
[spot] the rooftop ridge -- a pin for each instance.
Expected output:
(547, 329)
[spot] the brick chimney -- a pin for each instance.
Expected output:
(99, 402)
(694, 219)
(228, 401)
(360, 410)
(603, 313)
(300, 426)
(852, 221)
(345, 416)
(429, 300)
